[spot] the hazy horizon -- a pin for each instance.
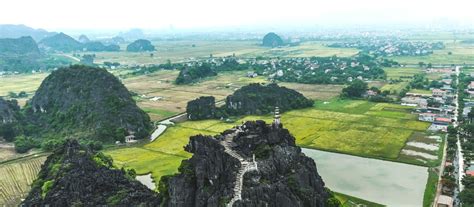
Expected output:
(180, 14)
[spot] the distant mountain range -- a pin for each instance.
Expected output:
(17, 31)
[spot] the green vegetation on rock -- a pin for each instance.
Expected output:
(272, 40)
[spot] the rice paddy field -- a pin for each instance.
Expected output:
(173, 98)
(461, 54)
(182, 50)
(16, 178)
(376, 130)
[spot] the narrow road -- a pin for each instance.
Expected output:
(441, 171)
(245, 166)
(71, 57)
(460, 161)
(460, 155)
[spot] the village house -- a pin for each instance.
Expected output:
(442, 121)
(447, 81)
(429, 117)
(371, 93)
(130, 139)
(252, 74)
(445, 201)
(439, 70)
(471, 85)
(447, 88)
(415, 101)
(438, 92)
(466, 111)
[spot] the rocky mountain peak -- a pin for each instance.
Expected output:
(77, 176)
(255, 164)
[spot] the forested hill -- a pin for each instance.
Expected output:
(87, 102)
(19, 54)
(78, 176)
(25, 46)
(272, 40)
(140, 45)
(61, 42)
(255, 98)
(65, 43)
(262, 99)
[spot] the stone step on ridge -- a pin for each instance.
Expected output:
(245, 166)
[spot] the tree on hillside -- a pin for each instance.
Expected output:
(356, 89)
(202, 108)
(467, 196)
(470, 115)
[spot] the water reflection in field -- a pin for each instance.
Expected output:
(384, 182)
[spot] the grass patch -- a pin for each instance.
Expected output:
(147, 161)
(402, 73)
(350, 201)
(420, 91)
(431, 187)
(394, 88)
(461, 53)
(158, 114)
(24, 82)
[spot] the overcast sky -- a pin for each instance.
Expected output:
(155, 14)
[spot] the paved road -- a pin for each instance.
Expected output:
(458, 143)
(71, 57)
(459, 163)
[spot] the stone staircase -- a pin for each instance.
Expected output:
(245, 166)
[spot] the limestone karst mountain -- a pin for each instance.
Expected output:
(255, 164)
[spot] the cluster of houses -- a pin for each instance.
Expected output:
(389, 47)
(300, 69)
(437, 107)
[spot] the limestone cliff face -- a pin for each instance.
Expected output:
(74, 176)
(251, 165)
(8, 111)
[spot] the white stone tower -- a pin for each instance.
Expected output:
(276, 120)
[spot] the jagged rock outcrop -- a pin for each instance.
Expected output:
(272, 40)
(203, 107)
(194, 73)
(87, 102)
(223, 171)
(253, 99)
(140, 45)
(77, 176)
(8, 111)
(261, 99)
(10, 118)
